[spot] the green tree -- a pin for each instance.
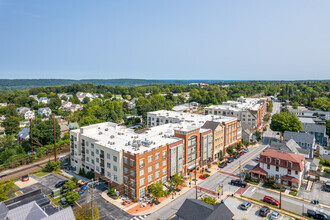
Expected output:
(328, 127)
(177, 180)
(72, 197)
(6, 190)
(295, 105)
(44, 131)
(83, 212)
(266, 117)
(239, 146)
(221, 155)
(11, 125)
(230, 151)
(69, 186)
(55, 103)
(86, 100)
(209, 200)
(285, 121)
(156, 190)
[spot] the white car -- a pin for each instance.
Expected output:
(274, 215)
(257, 158)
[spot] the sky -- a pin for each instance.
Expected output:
(171, 39)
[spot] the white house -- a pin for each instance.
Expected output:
(25, 112)
(45, 111)
(288, 167)
(3, 104)
(44, 100)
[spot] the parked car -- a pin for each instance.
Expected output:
(317, 215)
(246, 150)
(238, 182)
(60, 183)
(326, 186)
(237, 156)
(271, 200)
(230, 159)
(274, 215)
(257, 158)
(242, 153)
(263, 212)
(245, 205)
(25, 178)
(222, 165)
(84, 188)
(80, 192)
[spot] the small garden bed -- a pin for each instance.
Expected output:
(293, 193)
(204, 176)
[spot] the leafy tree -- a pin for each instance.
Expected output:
(86, 100)
(88, 120)
(68, 186)
(11, 125)
(55, 103)
(156, 190)
(44, 131)
(52, 166)
(42, 94)
(221, 155)
(285, 121)
(239, 146)
(266, 117)
(83, 212)
(177, 180)
(322, 103)
(209, 200)
(75, 180)
(328, 127)
(230, 151)
(295, 105)
(72, 197)
(6, 190)
(9, 149)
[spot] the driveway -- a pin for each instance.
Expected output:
(315, 193)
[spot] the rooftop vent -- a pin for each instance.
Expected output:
(106, 129)
(100, 133)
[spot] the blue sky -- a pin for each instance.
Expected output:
(154, 39)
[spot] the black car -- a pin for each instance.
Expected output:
(237, 156)
(222, 165)
(264, 211)
(230, 159)
(317, 215)
(238, 182)
(60, 183)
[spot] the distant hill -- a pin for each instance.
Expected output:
(12, 84)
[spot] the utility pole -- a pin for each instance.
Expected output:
(54, 137)
(280, 193)
(31, 139)
(196, 171)
(92, 194)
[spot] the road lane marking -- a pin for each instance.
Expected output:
(271, 134)
(253, 189)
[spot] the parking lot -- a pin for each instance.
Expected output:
(315, 193)
(252, 213)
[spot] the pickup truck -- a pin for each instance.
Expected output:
(238, 183)
(317, 215)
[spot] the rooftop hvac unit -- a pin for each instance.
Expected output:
(100, 133)
(112, 136)
(129, 143)
(126, 144)
(106, 129)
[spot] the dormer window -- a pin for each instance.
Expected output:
(289, 164)
(277, 162)
(267, 160)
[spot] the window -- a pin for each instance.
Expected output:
(157, 156)
(150, 178)
(267, 160)
(277, 162)
(97, 151)
(87, 158)
(132, 163)
(157, 174)
(141, 172)
(164, 162)
(132, 182)
(149, 169)
(115, 168)
(92, 145)
(92, 153)
(115, 178)
(164, 171)
(164, 154)
(289, 165)
(87, 151)
(296, 172)
(125, 170)
(115, 158)
(142, 182)
(125, 179)
(277, 169)
(93, 162)
(150, 159)
(97, 160)
(133, 173)
(109, 174)
(157, 166)
(125, 160)
(97, 168)
(164, 180)
(268, 166)
(141, 163)
(109, 165)
(289, 172)
(108, 156)
(87, 143)
(142, 192)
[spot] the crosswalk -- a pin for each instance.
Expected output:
(140, 217)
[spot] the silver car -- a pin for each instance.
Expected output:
(245, 205)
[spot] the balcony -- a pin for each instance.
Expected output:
(83, 144)
(83, 159)
(102, 163)
(83, 152)
(102, 155)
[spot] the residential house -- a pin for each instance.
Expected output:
(45, 111)
(319, 132)
(60, 95)
(247, 135)
(23, 135)
(290, 146)
(194, 209)
(65, 104)
(23, 124)
(82, 95)
(25, 112)
(3, 104)
(73, 125)
(35, 97)
(304, 140)
(130, 104)
(44, 100)
(64, 126)
(288, 167)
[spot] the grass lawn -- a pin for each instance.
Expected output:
(41, 174)
(18, 193)
(55, 201)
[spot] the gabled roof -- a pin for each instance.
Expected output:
(258, 170)
(3, 210)
(193, 209)
(299, 137)
(314, 128)
(211, 125)
(65, 214)
(24, 133)
(29, 211)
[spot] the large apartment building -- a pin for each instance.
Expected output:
(131, 161)
(226, 131)
(249, 111)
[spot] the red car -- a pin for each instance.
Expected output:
(25, 178)
(271, 200)
(241, 153)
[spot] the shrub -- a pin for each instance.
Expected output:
(294, 189)
(326, 170)
(209, 165)
(112, 191)
(276, 186)
(209, 200)
(116, 197)
(90, 175)
(327, 162)
(135, 199)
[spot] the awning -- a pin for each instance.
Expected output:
(289, 178)
(259, 170)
